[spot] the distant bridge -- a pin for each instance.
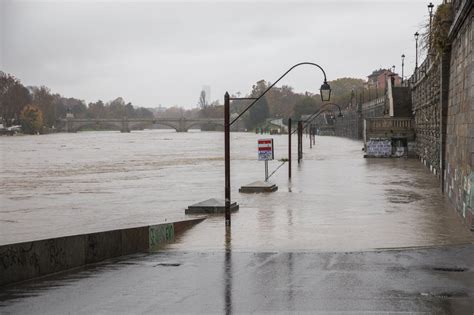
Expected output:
(126, 125)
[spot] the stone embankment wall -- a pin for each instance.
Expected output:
(352, 124)
(426, 100)
(349, 126)
(459, 154)
(375, 108)
(443, 102)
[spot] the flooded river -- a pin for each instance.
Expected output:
(64, 184)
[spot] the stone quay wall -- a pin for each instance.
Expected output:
(349, 126)
(375, 108)
(352, 124)
(426, 100)
(458, 177)
(443, 104)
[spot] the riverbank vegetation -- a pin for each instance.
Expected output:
(38, 108)
(437, 34)
(20, 105)
(283, 102)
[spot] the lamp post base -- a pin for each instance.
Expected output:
(210, 206)
(258, 187)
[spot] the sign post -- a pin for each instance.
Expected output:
(265, 153)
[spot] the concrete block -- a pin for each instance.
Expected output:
(210, 206)
(258, 187)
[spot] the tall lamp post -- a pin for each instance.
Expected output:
(325, 91)
(403, 65)
(430, 10)
(416, 49)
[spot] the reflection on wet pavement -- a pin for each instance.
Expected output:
(375, 282)
(228, 271)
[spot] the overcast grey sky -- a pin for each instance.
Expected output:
(156, 52)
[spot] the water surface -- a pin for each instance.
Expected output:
(64, 184)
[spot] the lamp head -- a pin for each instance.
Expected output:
(325, 91)
(416, 35)
(430, 7)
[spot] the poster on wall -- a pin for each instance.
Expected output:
(379, 147)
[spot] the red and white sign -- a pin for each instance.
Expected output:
(265, 149)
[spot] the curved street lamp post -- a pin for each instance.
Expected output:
(325, 92)
(301, 126)
(430, 11)
(416, 49)
(403, 65)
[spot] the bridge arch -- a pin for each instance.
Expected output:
(168, 124)
(112, 125)
(140, 125)
(200, 123)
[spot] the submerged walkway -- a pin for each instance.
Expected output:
(336, 201)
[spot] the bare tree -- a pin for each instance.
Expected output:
(202, 103)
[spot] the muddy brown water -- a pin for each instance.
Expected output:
(64, 184)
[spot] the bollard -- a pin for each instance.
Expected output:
(289, 147)
(300, 141)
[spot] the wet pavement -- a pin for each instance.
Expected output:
(428, 281)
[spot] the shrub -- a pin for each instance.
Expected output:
(31, 119)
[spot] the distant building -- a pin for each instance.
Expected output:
(275, 125)
(378, 79)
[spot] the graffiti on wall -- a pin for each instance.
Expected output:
(160, 235)
(57, 255)
(460, 189)
(471, 191)
(18, 256)
(379, 147)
